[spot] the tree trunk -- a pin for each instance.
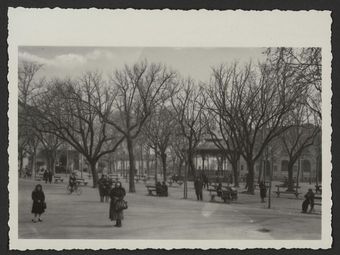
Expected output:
(180, 167)
(235, 173)
(260, 170)
(94, 173)
(148, 163)
(132, 167)
(290, 176)
(21, 162)
(163, 156)
(250, 177)
(191, 170)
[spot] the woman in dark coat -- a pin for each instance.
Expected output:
(116, 194)
(39, 205)
(263, 191)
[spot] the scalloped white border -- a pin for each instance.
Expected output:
(166, 28)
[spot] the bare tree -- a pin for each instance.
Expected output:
(188, 105)
(137, 90)
(27, 139)
(256, 102)
(298, 137)
(218, 105)
(159, 130)
(69, 109)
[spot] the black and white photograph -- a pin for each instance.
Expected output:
(174, 143)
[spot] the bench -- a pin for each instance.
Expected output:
(39, 177)
(319, 198)
(171, 182)
(294, 192)
(227, 195)
(58, 179)
(81, 181)
(151, 188)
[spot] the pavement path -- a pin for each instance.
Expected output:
(148, 217)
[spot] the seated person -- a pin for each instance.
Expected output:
(164, 189)
(72, 181)
(158, 189)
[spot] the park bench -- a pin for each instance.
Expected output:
(318, 188)
(172, 182)
(58, 179)
(39, 177)
(227, 195)
(151, 188)
(294, 192)
(319, 198)
(81, 181)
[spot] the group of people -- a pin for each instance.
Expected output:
(104, 186)
(161, 189)
(48, 176)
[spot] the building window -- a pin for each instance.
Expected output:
(284, 165)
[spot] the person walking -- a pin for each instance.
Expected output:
(263, 191)
(39, 205)
(101, 187)
(199, 188)
(117, 195)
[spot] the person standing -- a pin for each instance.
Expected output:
(50, 176)
(263, 191)
(39, 205)
(199, 189)
(117, 195)
(101, 187)
(107, 188)
(45, 176)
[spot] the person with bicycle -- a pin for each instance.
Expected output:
(72, 181)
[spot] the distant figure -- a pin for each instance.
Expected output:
(50, 176)
(158, 189)
(248, 181)
(309, 200)
(219, 190)
(205, 181)
(39, 204)
(107, 188)
(45, 176)
(117, 195)
(199, 188)
(164, 191)
(285, 181)
(101, 187)
(72, 181)
(263, 191)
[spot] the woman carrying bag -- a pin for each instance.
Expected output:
(118, 204)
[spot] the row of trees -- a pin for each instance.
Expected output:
(245, 107)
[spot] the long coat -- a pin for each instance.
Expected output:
(38, 198)
(101, 187)
(116, 194)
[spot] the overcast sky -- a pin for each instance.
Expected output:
(73, 61)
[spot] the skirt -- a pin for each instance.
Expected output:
(114, 214)
(38, 208)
